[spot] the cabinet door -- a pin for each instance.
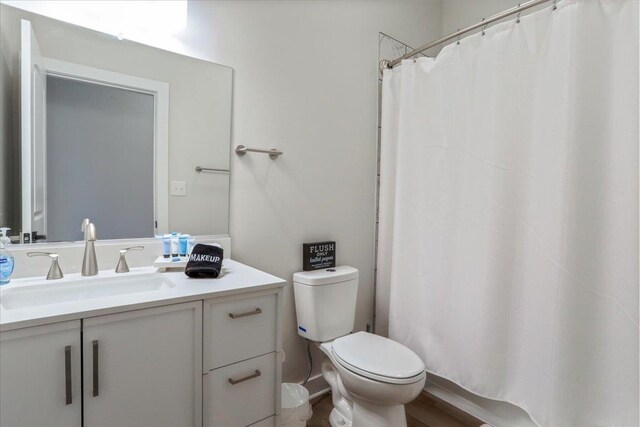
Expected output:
(40, 376)
(143, 368)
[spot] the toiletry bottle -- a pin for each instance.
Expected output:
(4, 237)
(6, 259)
(183, 244)
(166, 246)
(175, 244)
(191, 242)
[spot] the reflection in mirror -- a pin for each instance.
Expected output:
(113, 121)
(112, 130)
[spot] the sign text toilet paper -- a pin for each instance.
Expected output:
(318, 255)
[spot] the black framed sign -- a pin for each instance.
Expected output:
(318, 255)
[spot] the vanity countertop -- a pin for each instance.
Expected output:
(236, 278)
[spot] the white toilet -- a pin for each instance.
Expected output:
(371, 377)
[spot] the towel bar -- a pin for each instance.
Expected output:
(200, 169)
(241, 150)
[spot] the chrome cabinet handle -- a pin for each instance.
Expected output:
(248, 313)
(95, 368)
(256, 374)
(67, 375)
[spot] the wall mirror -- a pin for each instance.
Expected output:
(112, 130)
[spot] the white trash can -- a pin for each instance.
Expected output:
(296, 410)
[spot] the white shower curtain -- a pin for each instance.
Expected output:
(508, 239)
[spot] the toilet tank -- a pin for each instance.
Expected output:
(326, 302)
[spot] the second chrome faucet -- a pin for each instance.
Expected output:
(89, 261)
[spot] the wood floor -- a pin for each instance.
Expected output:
(425, 411)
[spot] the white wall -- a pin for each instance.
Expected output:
(305, 82)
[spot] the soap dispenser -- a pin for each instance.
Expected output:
(6, 259)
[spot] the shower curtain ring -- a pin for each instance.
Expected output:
(518, 17)
(458, 39)
(483, 28)
(555, 4)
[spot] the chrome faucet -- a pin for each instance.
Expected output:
(89, 261)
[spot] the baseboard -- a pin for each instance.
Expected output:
(317, 386)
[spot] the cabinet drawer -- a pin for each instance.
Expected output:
(242, 393)
(239, 329)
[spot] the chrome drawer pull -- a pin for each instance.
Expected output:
(256, 374)
(248, 313)
(67, 375)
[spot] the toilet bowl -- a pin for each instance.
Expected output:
(375, 376)
(371, 377)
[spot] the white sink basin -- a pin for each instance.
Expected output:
(63, 291)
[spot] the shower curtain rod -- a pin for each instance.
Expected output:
(523, 6)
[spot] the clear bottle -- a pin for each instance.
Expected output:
(6, 259)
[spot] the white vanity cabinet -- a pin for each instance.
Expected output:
(139, 368)
(199, 353)
(40, 376)
(242, 367)
(142, 368)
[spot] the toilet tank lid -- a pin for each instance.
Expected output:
(326, 276)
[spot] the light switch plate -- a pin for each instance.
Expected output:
(178, 188)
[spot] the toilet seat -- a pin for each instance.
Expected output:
(378, 358)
